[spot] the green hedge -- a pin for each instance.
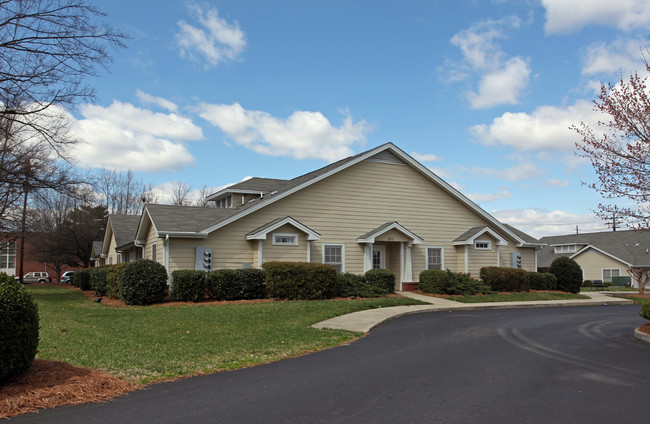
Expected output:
(568, 274)
(113, 280)
(353, 285)
(502, 279)
(18, 328)
(542, 281)
(236, 284)
(98, 280)
(188, 285)
(81, 279)
(143, 282)
(382, 279)
(645, 310)
(300, 280)
(452, 283)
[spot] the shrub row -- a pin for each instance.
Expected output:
(222, 284)
(542, 281)
(300, 280)
(453, 283)
(502, 279)
(374, 283)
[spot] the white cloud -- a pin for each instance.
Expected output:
(215, 40)
(502, 80)
(502, 86)
(303, 135)
(565, 16)
(420, 157)
(488, 197)
(547, 128)
(158, 101)
(611, 58)
(122, 136)
(554, 182)
(542, 222)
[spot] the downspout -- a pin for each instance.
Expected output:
(166, 253)
(140, 246)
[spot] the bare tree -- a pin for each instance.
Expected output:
(180, 193)
(121, 192)
(202, 197)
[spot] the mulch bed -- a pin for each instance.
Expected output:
(47, 384)
(645, 328)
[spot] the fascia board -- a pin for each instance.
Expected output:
(107, 236)
(398, 227)
(261, 235)
(181, 234)
(145, 213)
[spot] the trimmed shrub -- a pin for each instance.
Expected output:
(586, 283)
(353, 285)
(235, 284)
(381, 278)
(502, 279)
(143, 282)
(81, 279)
(98, 280)
(188, 285)
(300, 280)
(645, 310)
(18, 328)
(113, 280)
(452, 283)
(568, 274)
(542, 281)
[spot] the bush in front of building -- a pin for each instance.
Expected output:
(568, 274)
(18, 328)
(300, 280)
(81, 279)
(502, 279)
(542, 281)
(436, 281)
(143, 282)
(98, 280)
(113, 280)
(354, 285)
(586, 283)
(382, 279)
(236, 284)
(188, 285)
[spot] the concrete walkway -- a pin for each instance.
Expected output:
(365, 321)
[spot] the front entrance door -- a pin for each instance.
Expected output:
(378, 257)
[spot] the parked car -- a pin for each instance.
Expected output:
(66, 277)
(37, 277)
(598, 283)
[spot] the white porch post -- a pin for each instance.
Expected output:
(259, 254)
(498, 255)
(367, 262)
(402, 264)
(408, 268)
(466, 258)
(308, 250)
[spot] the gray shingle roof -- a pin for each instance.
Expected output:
(171, 218)
(124, 227)
(630, 246)
(468, 234)
(525, 237)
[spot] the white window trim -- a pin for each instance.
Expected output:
(442, 256)
(602, 273)
(294, 235)
(342, 246)
(488, 242)
(154, 249)
(565, 248)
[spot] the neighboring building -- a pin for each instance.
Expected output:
(10, 257)
(96, 254)
(600, 255)
(119, 245)
(378, 209)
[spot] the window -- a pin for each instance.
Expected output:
(434, 258)
(7, 255)
(110, 260)
(566, 248)
(225, 202)
(483, 245)
(280, 239)
(154, 252)
(334, 254)
(609, 273)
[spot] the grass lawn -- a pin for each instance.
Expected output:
(150, 343)
(610, 288)
(516, 297)
(636, 297)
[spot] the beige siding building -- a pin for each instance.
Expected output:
(378, 209)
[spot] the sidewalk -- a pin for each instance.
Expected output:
(365, 321)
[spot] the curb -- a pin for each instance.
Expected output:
(641, 335)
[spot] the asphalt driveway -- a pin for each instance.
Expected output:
(551, 365)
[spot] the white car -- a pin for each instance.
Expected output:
(66, 277)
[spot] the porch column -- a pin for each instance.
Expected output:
(466, 258)
(259, 253)
(367, 257)
(308, 250)
(408, 269)
(498, 255)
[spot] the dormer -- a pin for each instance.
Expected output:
(245, 192)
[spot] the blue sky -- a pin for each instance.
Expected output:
(482, 92)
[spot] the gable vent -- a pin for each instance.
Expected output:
(386, 157)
